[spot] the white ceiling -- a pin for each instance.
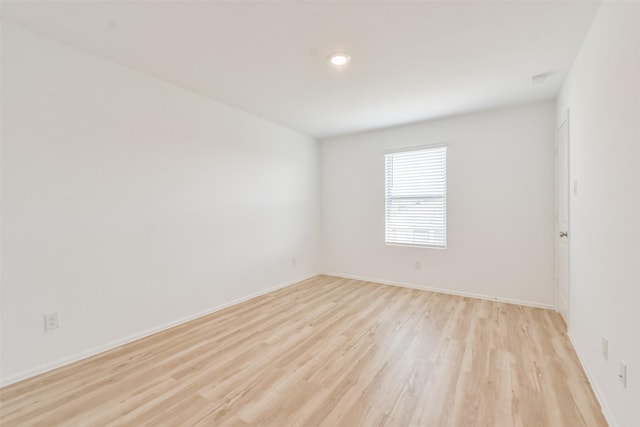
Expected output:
(410, 60)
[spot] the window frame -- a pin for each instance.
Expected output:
(446, 195)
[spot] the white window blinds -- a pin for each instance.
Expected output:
(416, 197)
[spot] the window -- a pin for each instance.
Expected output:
(416, 197)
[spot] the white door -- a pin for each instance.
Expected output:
(562, 182)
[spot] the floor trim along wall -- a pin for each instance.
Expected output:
(594, 386)
(444, 291)
(117, 343)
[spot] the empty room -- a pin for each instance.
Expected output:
(320, 213)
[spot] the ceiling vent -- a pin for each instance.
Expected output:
(540, 78)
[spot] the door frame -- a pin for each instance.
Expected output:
(565, 121)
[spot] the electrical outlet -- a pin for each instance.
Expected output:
(623, 374)
(51, 321)
(294, 261)
(418, 265)
(605, 348)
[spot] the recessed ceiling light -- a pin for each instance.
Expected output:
(339, 58)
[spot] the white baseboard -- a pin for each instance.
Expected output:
(594, 385)
(446, 291)
(117, 343)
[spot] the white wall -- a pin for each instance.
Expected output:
(129, 204)
(500, 206)
(602, 93)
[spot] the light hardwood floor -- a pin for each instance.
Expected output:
(327, 352)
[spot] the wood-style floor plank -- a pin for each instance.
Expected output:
(327, 352)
